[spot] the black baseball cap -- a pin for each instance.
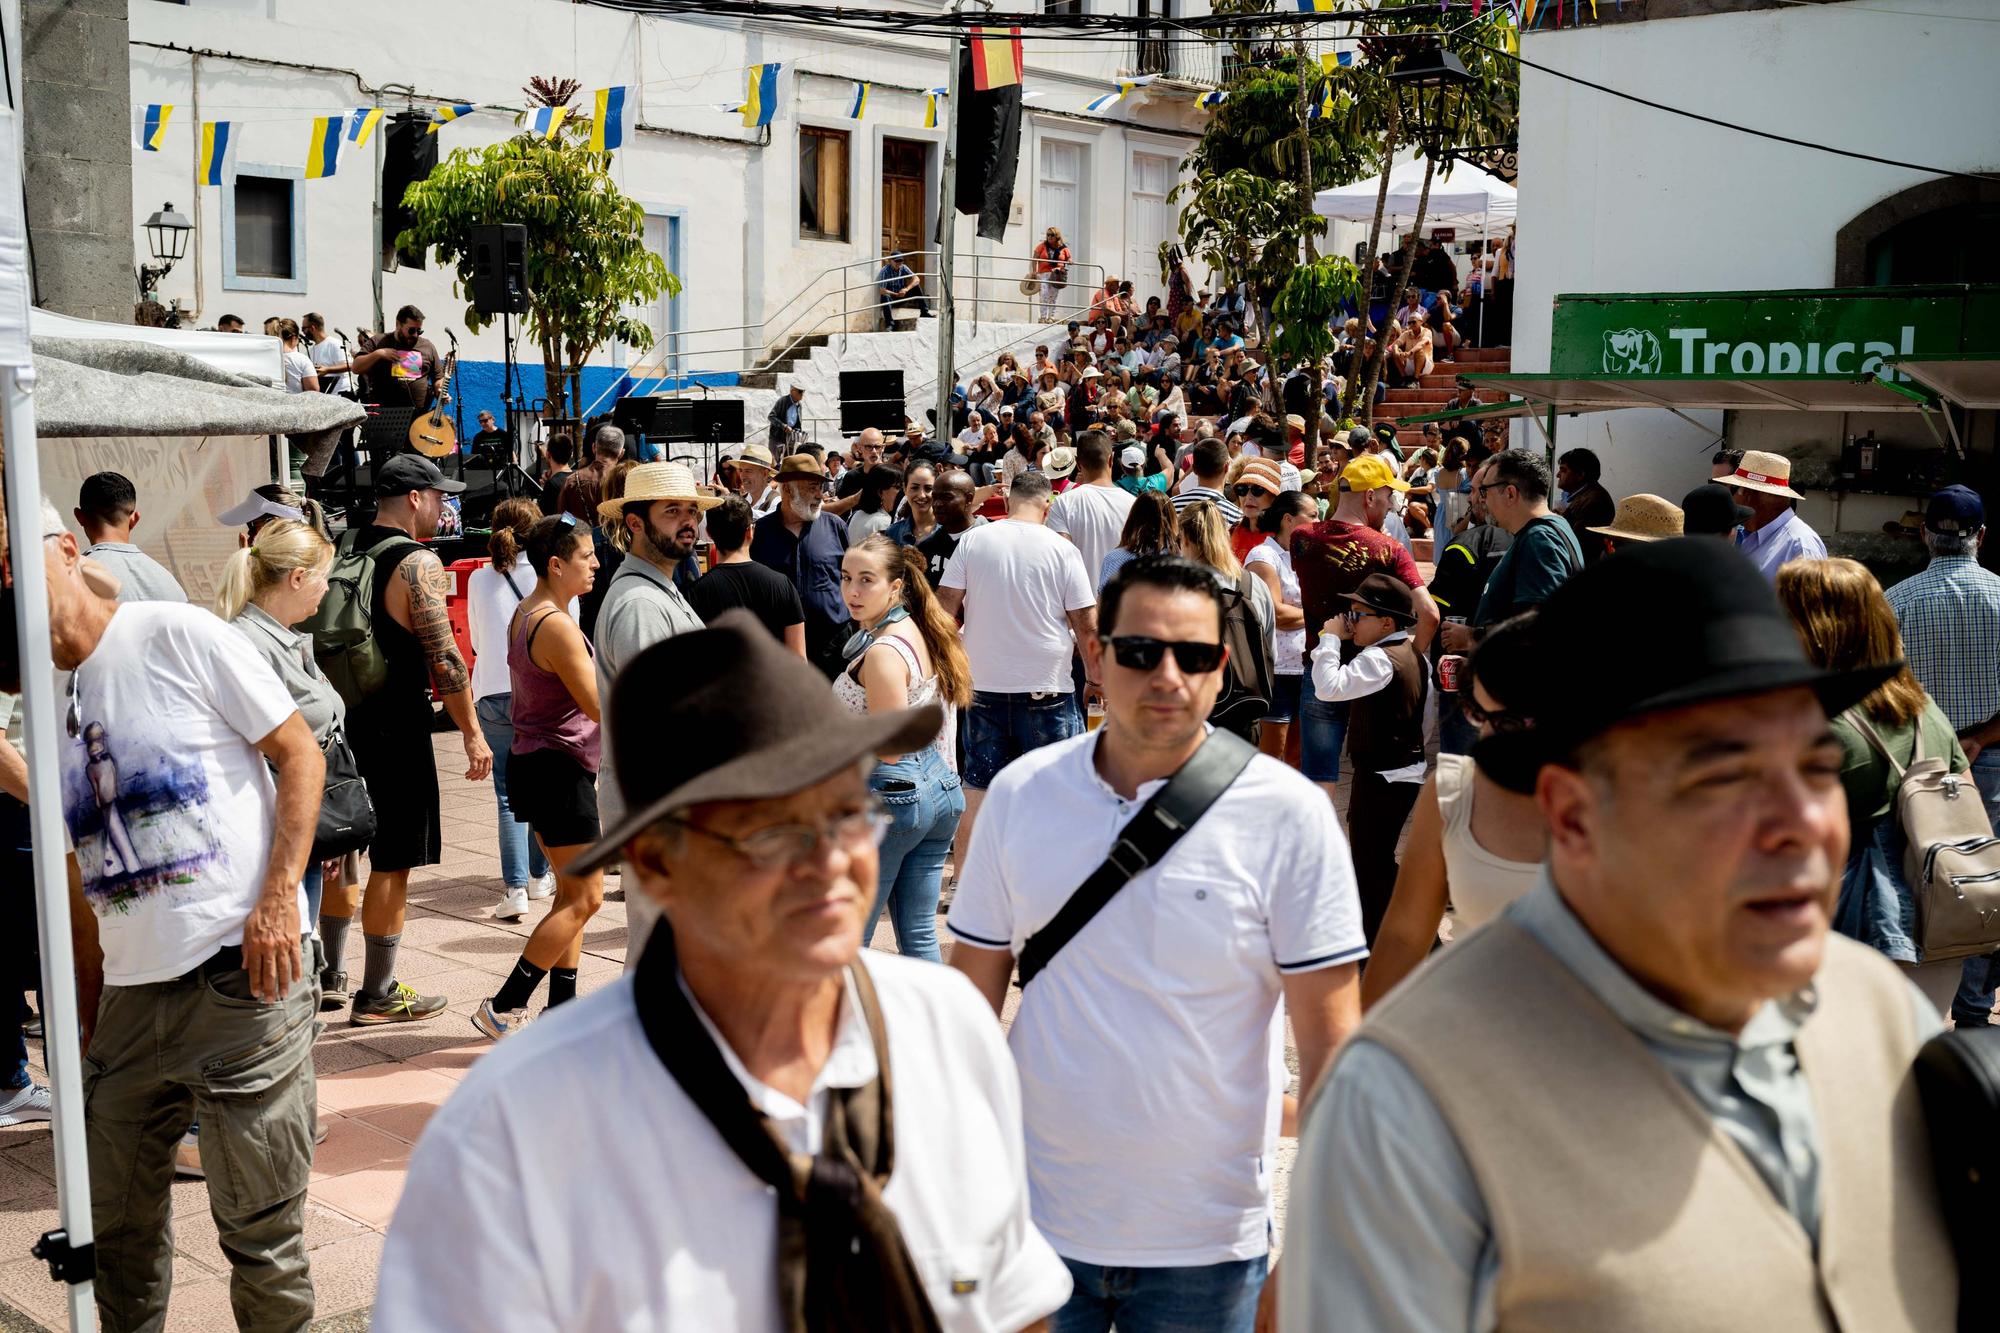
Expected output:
(1955, 509)
(413, 472)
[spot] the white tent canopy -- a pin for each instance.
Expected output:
(1467, 197)
(251, 355)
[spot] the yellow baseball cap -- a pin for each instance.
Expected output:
(1370, 472)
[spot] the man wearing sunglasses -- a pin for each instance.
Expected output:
(400, 367)
(756, 1034)
(1147, 1150)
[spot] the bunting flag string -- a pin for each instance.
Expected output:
(444, 115)
(859, 106)
(611, 118)
(218, 148)
(323, 147)
(760, 95)
(1214, 98)
(1106, 101)
(544, 121)
(932, 96)
(362, 124)
(154, 132)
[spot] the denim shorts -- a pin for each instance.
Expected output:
(1284, 698)
(1000, 728)
(1324, 731)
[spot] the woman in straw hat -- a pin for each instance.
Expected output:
(552, 770)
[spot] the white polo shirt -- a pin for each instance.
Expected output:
(520, 1213)
(1020, 580)
(1151, 1049)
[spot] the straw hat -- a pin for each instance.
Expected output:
(1261, 472)
(756, 455)
(657, 481)
(1059, 464)
(1769, 473)
(1643, 518)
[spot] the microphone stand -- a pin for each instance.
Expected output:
(457, 408)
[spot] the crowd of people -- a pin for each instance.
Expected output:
(1073, 692)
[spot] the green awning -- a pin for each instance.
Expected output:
(1483, 412)
(1971, 380)
(1788, 393)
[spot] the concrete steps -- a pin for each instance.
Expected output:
(1430, 395)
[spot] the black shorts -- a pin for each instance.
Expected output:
(555, 795)
(400, 770)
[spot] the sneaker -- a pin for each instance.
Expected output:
(542, 887)
(332, 990)
(400, 1005)
(319, 1130)
(497, 1025)
(187, 1156)
(513, 903)
(19, 1106)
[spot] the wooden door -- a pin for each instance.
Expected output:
(904, 165)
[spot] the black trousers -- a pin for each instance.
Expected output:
(1376, 813)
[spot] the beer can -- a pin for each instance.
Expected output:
(1448, 668)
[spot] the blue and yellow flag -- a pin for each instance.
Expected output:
(323, 148)
(859, 106)
(1314, 6)
(1108, 100)
(932, 96)
(1215, 98)
(155, 131)
(544, 121)
(218, 143)
(362, 124)
(452, 112)
(760, 96)
(610, 118)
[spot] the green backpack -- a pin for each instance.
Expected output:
(343, 630)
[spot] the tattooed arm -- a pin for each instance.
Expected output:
(425, 586)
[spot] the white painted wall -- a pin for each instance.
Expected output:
(1618, 197)
(737, 200)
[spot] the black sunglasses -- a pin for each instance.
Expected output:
(1137, 653)
(1499, 718)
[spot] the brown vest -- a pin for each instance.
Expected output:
(1385, 730)
(1616, 1204)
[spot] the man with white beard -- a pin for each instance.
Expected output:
(805, 544)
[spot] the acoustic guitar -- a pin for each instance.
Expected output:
(432, 433)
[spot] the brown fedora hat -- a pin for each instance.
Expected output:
(801, 467)
(728, 714)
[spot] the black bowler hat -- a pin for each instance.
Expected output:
(1658, 626)
(1710, 510)
(727, 713)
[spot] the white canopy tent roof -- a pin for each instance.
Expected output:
(250, 355)
(1467, 197)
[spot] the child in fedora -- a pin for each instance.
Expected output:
(1384, 685)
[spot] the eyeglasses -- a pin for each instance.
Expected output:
(783, 845)
(1492, 486)
(1137, 653)
(1497, 718)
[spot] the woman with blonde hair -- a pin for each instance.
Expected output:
(907, 653)
(1846, 625)
(267, 587)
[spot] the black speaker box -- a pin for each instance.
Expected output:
(718, 420)
(871, 398)
(500, 269)
(409, 154)
(662, 420)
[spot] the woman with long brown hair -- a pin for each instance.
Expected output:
(1846, 624)
(907, 653)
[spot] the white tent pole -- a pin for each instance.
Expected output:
(60, 1042)
(1485, 239)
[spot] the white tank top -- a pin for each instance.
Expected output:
(1480, 882)
(923, 689)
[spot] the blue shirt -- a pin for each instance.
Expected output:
(811, 561)
(1950, 616)
(892, 277)
(1785, 538)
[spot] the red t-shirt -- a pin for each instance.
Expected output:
(1332, 557)
(1245, 538)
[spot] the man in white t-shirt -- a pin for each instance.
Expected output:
(755, 1015)
(1092, 512)
(1025, 598)
(192, 987)
(1151, 1046)
(328, 357)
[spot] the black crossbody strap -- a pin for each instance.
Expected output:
(1143, 841)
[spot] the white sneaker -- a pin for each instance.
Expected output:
(542, 887)
(513, 903)
(497, 1025)
(20, 1106)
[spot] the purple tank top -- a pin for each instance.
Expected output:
(545, 716)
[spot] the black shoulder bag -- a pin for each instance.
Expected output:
(1143, 842)
(1958, 1082)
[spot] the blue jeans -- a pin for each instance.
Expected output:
(1000, 728)
(315, 886)
(1209, 1298)
(922, 821)
(1323, 732)
(521, 856)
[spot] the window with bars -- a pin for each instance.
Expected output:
(823, 184)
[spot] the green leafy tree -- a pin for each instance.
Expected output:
(586, 258)
(1303, 315)
(1248, 228)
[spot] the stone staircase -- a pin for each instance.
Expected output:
(1435, 389)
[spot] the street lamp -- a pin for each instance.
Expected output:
(1426, 81)
(166, 238)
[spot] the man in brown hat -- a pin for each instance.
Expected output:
(803, 542)
(1708, 1117)
(1774, 534)
(760, 1059)
(655, 524)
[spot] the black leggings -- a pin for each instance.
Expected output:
(1376, 813)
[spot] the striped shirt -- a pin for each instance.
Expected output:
(1950, 616)
(1230, 513)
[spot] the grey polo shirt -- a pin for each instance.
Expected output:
(140, 577)
(641, 607)
(291, 656)
(1398, 1238)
